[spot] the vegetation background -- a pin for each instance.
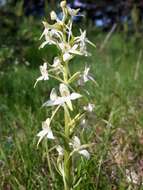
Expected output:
(116, 126)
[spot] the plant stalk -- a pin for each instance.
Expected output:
(67, 161)
(49, 162)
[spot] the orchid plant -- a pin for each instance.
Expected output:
(63, 98)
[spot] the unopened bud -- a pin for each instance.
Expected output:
(63, 4)
(53, 15)
(67, 57)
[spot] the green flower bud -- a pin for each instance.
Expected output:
(63, 4)
(53, 15)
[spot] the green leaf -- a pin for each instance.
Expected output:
(74, 77)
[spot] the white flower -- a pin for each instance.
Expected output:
(69, 51)
(60, 163)
(69, 31)
(57, 62)
(46, 30)
(46, 131)
(89, 107)
(86, 74)
(52, 35)
(85, 77)
(78, 147)
(85, 153)
(82, 40)
(44, 73)
(57, 66)
(66, 97)
(60, 150)
(72, 12)
(66, 94)
(67, 57)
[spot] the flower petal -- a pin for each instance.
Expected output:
(53, 94)
(58, 101)
(85, 153)
(46, 131)
(43, 44)
(57, 62)
(50, 134)
(68, 102)
(53, 15)
(76, 142)
(46, 123)
(41, 134)
(60, 150)
(37, 80)
(75, 95)
(89, 107)
(67, 57)
(64, 90)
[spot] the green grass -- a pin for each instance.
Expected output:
(115, 126)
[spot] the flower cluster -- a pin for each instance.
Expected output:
(60, 34)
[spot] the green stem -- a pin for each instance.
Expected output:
(65, 74)
(49, 162)
(67, 161)
(57, 78)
